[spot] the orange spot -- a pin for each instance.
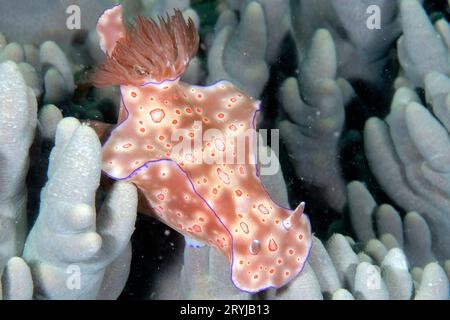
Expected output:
(157, 115)
(190, 157)
(241, 262)
(133, 94)
(142, 130)
(191, 134)
(214, 190)
(238, 193)
(241, 170)
(244, 227)
(272, 271)
(149, 147)
(220, 145)
(287, 273)
(273, 245)
(161, 138)
(168, 145)
(160, 196)
(177, 111)
(223, 176)
(201, 219)
(262, 208)
(255, 276)
(174, 121)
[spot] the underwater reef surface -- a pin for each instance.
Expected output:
(358, 93)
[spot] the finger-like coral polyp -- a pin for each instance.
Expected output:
(150, 51)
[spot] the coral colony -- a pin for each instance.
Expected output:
(181, 145)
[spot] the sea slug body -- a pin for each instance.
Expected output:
(181, 145)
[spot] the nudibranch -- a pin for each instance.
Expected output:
(181, 145)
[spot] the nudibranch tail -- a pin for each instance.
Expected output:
(149, 51)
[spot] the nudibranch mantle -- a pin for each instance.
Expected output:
(181, 146)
